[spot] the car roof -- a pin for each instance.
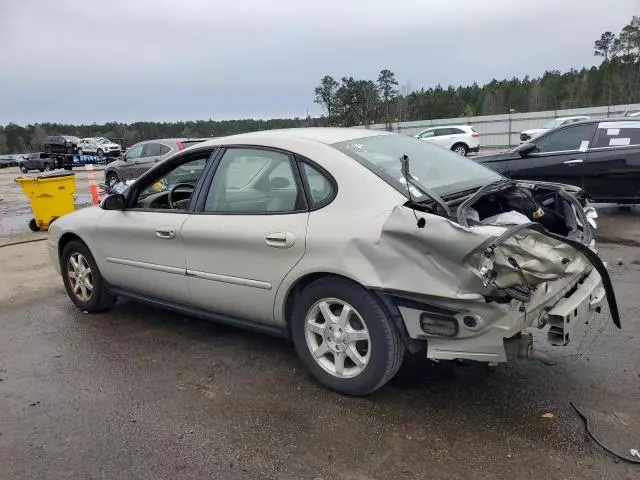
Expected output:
(324, 135)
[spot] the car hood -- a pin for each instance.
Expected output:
(110, 145)
(115, 164)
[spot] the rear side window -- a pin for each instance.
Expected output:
(164, 149)
(189, 143)
(151, 150)
(321, 190)
(618, 134)
(455, 131)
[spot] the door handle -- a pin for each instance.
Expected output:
(280, 239)
(166, 233)
(573, 162)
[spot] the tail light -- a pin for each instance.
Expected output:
(475, 135)
(180, 145)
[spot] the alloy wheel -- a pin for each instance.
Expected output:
(460, 150)
(337, 338)
(79, 275)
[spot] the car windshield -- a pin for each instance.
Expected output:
(553, 123)
(432, 167)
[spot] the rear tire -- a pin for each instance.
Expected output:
(379, 356)
(24, 169)
(460, 149)
(100, 152)
(79, 151)
(84, 284)
(33, 226)
(46, 167)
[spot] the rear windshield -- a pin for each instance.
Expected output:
(432, 167)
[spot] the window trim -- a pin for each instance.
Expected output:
(206, 185)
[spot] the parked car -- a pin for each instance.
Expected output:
(357, 244)
(461, 139)
(99, 146)
(600, 156)
(7, 161)
(144, 155)
(37, 161)
(527, 135)
(60, 144)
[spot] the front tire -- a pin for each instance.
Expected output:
(344, 337)
(79, 151)
(100, 152)
(460, 149)
(82, 279)
(24, 169)
(111, 179)
(46, 167)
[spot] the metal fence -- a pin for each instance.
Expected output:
(501, 131)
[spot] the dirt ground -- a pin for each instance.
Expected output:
(142, 393)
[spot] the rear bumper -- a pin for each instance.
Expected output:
(482, 328)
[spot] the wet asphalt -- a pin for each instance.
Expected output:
(147, 394)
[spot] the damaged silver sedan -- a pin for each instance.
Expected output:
(358, 245)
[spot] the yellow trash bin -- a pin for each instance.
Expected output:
(50, 195)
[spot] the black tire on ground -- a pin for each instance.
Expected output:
(111, 179)
(100, 152)
(33, 226)
(387, 348)
(46, 167)
(460, 148)
(101, 298)
(23, 169)
(79, 151)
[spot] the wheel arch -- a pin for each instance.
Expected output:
(460, 143)
(68, 237)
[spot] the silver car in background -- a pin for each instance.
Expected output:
(144, 155)
(359, 245)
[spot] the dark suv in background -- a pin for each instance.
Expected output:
(60, 144)
(144, 155)
(600, 156)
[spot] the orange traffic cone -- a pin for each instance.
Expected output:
(93, 188)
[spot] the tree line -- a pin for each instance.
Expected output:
(352, 101)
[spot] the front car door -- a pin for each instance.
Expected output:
(613, 165)
(560, 156)
(150, 156)
(248, 232)
(128, 169)
(143, 244)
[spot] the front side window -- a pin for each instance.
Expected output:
(427, 134)
(432, 167)
(576, 137)
(253, 181)
(172, 189)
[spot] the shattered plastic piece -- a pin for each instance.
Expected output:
(547, 415)
(507, 218)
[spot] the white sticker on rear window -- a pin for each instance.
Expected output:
(613, 131)
(620, 124)
(615, 142)
(584, 145)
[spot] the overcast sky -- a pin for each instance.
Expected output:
(84, 61)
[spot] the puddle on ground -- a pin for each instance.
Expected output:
(16, 220)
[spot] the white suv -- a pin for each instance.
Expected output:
(99, 146)
(462, 139)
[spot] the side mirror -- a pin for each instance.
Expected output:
(525, 149)
(113, 202)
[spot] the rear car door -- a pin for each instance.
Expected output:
(129, 168)
(442, 137)
(248, 232)
(560, 156)
(612, 172)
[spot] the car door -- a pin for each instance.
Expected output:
(129, 168)
(442, 137)
(143, 244)
(248, 232)
(150, 156)
(612, 172)
(428, 135)
(560, 156)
